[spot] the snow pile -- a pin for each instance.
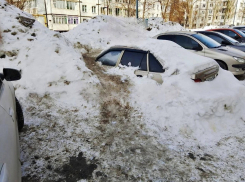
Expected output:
(49, 62)
(158, 26)
(104, 31)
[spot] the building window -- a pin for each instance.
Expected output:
(70, 5)
(84, 8)
(73, 20)
(59, 19)
(110, 11)
(203, 5)
(210, 11)
(125, 12)
(102, 10)
(62, 4)
(93, 9)
(31, 4)
(211, 5)
(117, 11)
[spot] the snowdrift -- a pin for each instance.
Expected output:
(104, 31)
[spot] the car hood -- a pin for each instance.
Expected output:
(229, 51)
(240, 47)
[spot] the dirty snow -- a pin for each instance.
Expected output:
(88, 123)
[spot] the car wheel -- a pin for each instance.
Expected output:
(222, 65)
(20, 117)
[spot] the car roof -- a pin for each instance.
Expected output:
(221, 29)
(119, 48)
(239, 26)
(177, 32)
(212, 32)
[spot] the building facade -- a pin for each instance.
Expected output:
(64, 15)
(218, 13)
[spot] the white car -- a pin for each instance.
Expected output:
(11, 119)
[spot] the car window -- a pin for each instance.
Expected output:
(210, 43)
(228, 38)
(154, 65)
(240, 32)
(186, 42)
(166, 37)
(221, 31)
(134, 59)
(216, 38)
(231, 34)
(110, 58)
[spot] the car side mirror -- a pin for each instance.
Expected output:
(224, 43)
(11, 74)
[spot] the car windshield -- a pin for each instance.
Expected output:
(210, 43)
(227, 37)
(240, 32)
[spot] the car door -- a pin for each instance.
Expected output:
(155, 68)
(9, 141)
(135, 58)
(189, 43)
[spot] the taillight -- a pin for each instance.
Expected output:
(197, 80)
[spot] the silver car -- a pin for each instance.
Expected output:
(228, 58)
(11, 119)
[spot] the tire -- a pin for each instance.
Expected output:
(19, 113)
(222, 65)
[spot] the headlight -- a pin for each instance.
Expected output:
(240, 60)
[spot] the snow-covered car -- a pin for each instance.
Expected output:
(147, 63)
(11, 119)
(227, 57)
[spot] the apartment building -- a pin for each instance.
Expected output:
(64, 15)
(218, 12)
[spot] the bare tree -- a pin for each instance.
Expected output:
(216, 9)
(147, 6)
(176, 13)
(229, 10)
(18, 3)
(164, 7)
(107, 5)
(188, 8)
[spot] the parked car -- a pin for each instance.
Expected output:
(228, 58)
(11, 119)
(241, 28)
(233, 33)
(224, 40)
(147, 63)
